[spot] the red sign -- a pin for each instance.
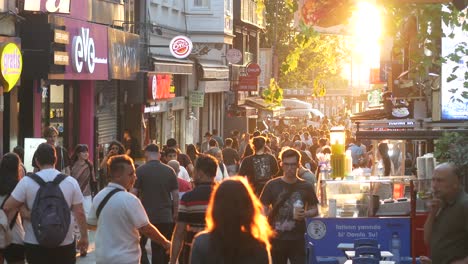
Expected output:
(253, 69)
(160, 86)
(374, 77)
(248, 84)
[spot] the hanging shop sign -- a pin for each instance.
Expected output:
(124, 59)
(197, 98)
(253, 70)
(11, 65)
(247, 84)
(160, 86)
(234, 56)
(180, 47)
(87, 51)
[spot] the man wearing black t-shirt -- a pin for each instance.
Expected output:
(282, 199)
(259, 167)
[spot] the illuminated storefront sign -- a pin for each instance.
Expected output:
(11, 65)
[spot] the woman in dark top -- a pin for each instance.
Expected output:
(233, 236)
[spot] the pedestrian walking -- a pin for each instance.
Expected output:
(183, 159)
(259, 167)
(46, 241)
(231, 157)
(82, 171)
(221, 172)
(287, 201)
(157, 187)
(192, 152)
(171, 154)
(192, 209)
(218, 139)
(120, 217)
(233, 236)
(63, 160)
(9, 177)
(115, 148)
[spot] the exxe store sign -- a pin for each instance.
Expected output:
(160, 87)
(88, 51)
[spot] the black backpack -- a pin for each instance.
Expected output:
(50, 214)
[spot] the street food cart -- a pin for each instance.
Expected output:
(389, 209)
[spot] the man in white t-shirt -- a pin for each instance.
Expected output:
(122, 218)
(25, 193)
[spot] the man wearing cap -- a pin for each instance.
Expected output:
(205, 145)
(158, 189)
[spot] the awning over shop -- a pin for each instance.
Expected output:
(172, 65)
(214, 86)
(214, 71)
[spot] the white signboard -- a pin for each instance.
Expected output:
(265, 61)
(180, 47)
(30, 146)
(234, 56)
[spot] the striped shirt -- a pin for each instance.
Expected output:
(192, 209)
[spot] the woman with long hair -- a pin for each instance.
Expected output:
(192, 152)
(384, 158)
(10, 171)
(233, 236)
(115, 148)
(82, 170)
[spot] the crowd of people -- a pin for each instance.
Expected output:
(242, 199)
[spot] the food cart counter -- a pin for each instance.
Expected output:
(367, 207)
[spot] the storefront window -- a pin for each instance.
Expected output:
(53, 111)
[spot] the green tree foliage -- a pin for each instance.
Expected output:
(273, 95)
(307, 59)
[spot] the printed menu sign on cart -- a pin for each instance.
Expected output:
(328, 233)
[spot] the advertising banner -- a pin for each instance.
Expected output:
(88, 51)
(124, 59)
(453, 92)
(328, 233)
(247, 83)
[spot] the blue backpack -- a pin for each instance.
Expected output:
(50, 214)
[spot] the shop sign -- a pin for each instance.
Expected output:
(178, 103)
(247, 83)
(61, 37)
(234, 56)
(156, 108)
(88, 51)
(160, 86)
(180, 47)
(61, 58)
(124, 59)
(197, 98)
(323, 232)
(50, 6)
(11, 65)
(253, 70)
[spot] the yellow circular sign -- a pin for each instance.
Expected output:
(11, 65)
